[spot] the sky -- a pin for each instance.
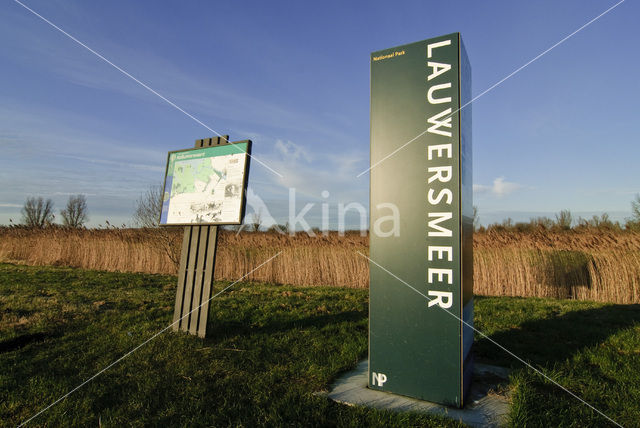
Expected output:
(294, 78)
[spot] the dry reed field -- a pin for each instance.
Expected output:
(586, 264)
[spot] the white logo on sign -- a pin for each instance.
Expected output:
(378, 378)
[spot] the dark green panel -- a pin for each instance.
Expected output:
(416, 348)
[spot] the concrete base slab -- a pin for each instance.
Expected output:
(487, 406)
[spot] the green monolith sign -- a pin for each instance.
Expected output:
(422, 270)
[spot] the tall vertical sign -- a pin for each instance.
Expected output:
(421, 286)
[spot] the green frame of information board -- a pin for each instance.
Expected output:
(420, 347)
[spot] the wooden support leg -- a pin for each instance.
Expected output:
(195, 274)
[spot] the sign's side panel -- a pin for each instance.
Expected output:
(245, 182)
(466, 204)
(415, 345)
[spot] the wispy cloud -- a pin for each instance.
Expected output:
(50, 131)
(73, 194)
(213, 102)
(70, 152)
(310, 172)
(51, 153)
(499, 188)
(120, 164)
(291, 151)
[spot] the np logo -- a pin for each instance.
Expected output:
(378, 379)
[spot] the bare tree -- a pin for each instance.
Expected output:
(251, 222)
(37, 212)
(542, 222)
(278, 228)
(149, 207)
(635, 209)
(633, 223)
(75, 214)
(564, 219)
(476, 218)
(147, 215)
(256, 221)
(602, 222)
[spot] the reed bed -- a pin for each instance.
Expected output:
(586, 264)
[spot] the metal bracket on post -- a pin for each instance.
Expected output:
(197, 264)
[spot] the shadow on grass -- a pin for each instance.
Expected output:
(550, 340)
(26, 339)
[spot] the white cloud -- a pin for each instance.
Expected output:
(291, 151)
(500, 187)
(10, 205)
(310, 173)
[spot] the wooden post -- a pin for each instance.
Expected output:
(195, 274)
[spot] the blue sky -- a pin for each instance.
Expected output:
(294, 78)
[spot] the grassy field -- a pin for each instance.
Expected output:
(583, 264)
(270, 348)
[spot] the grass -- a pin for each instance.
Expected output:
(582, 264)
(269, 348)
(592, 349)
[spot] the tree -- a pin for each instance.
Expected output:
(278, 228)
(635, 209)
(600, 222)
(147, 215)
(149, 207)
(564, 219)
(75, 214)
(476, 218)
(633, 223)
(542, 222)
(256, 221)
(37, 212)
(507, 223)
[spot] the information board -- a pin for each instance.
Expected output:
(206, 185)
(421, 278)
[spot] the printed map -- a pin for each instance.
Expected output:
(204, 186)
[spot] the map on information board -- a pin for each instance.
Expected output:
(205, 185)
